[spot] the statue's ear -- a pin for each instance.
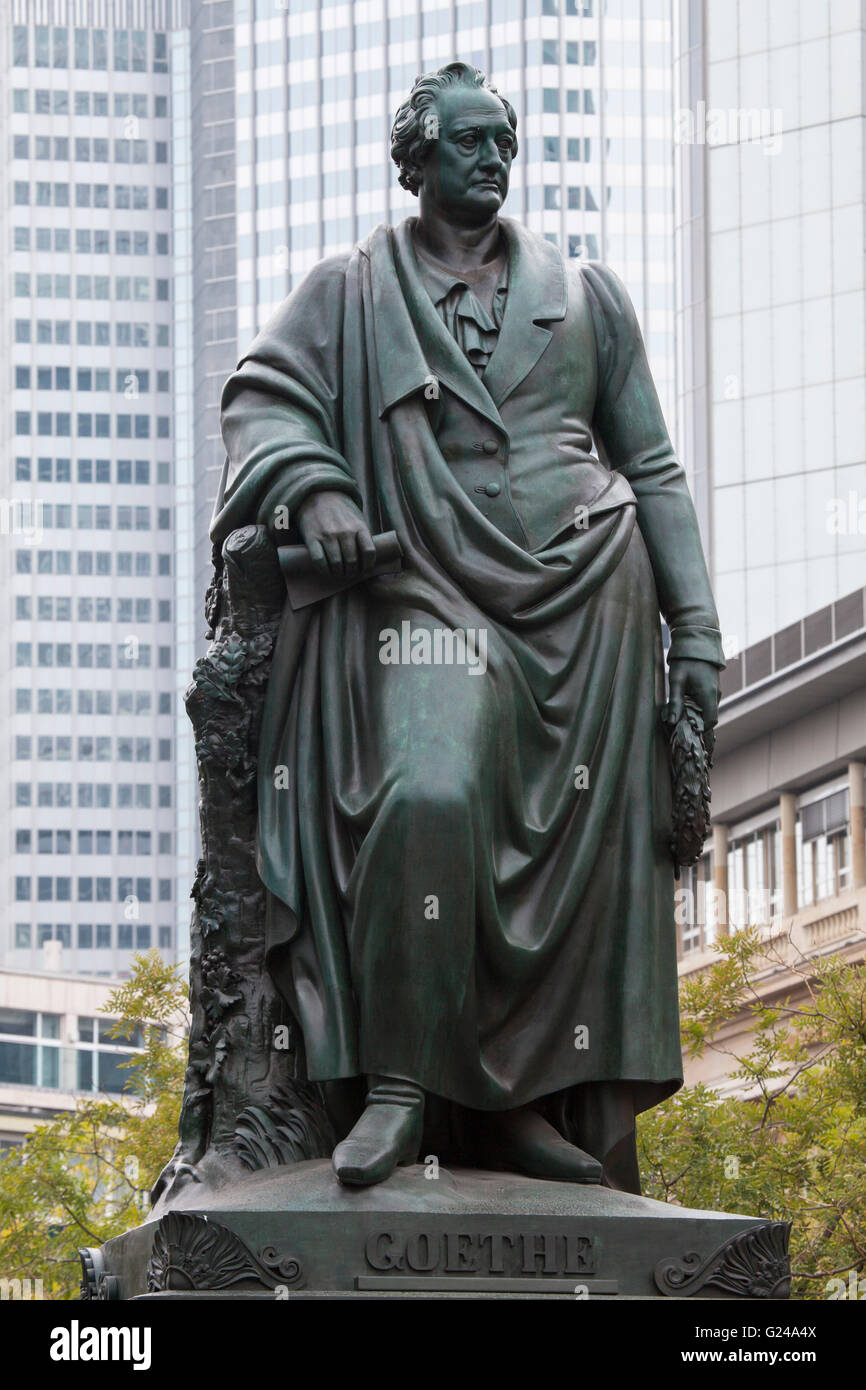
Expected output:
(418, 170)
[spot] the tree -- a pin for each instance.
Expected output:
(85, 1176)
(793, 1147)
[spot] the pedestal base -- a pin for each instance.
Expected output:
(295, 1232)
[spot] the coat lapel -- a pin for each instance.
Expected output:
(414, 345)
(537, 294)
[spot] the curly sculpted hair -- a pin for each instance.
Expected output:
(415, 125)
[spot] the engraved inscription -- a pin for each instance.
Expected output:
(479, 1252)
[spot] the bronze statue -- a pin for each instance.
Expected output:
(464, 798)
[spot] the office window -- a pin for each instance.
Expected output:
(41, 46)
(60, 47)
(29, 1041)
(121, 50)
(101, 1054)
(824, 848)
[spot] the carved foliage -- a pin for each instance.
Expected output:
(234, 1071)
(753, 1264)
(191, 1254)
(690, 777)
(295, 1127)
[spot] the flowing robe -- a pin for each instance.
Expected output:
(468, 877)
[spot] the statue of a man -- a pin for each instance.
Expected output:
(464, 789)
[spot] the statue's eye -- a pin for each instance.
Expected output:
(505, 146)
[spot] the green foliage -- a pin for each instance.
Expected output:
(85, 1176)
(792, 1144)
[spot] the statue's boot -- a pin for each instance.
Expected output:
(387, 1134)
(522, 1141)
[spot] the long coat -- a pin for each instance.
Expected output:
(468, 874)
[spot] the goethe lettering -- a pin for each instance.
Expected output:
(458, 1252)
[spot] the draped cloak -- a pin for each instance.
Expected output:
(468, 877)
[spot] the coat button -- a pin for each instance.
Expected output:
(493, 489)
(490, 447)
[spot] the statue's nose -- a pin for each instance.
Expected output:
(489, 157)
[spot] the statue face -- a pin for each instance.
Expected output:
(468, 166)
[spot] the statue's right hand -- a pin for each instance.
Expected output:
(336, 535)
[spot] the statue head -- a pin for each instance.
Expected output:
(454, 140)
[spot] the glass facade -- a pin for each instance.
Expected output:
(88, 600)
(772, 321)
(188, 601)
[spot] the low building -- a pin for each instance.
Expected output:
(54, 1047)
(787, 850)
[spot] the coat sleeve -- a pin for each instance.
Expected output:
(632, 438)
(280, 411)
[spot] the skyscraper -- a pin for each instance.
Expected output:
(87, 805)
(772, 310)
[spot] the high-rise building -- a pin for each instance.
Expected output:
(771, 99)
(88, 833)
(204, 87)
(292, 105)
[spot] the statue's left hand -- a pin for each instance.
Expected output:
(699, 680)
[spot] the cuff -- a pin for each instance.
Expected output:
(695, 643)
(292, 490)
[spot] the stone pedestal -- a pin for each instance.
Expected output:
(294, 1232)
